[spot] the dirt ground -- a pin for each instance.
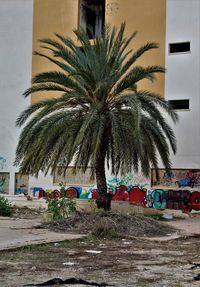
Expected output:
(111, 225)
(123, 261)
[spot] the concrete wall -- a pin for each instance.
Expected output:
(182, 78)
(62, 17)
(148, 18)
(53, 16)
(15, 74)
(181, 18)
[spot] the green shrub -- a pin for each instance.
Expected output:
(60, 208)
(62, 189)
(5, 207)
(157, 216)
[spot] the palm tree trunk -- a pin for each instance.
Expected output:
(104, 199)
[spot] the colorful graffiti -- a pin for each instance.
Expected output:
(181, 178)
(134, 195)
(129, 181)
(21, 183)
(185, 200)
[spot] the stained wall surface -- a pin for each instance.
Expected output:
(62, 17)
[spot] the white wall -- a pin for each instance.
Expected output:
(45, 182)
(183, 78)
(16, 18)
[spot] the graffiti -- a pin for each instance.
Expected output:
(72, 192)
(184, 178)
(134, 195)
(2, 163)
(138, 196)
(115, 182)
(129, 181)
(21, 183)
(184, 200)
(37, 191)
(157, 199)
(121, 193)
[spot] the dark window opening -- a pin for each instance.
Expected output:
(182, 47)
(92, 17)
(179, 104)
(80, 49)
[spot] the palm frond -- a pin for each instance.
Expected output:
(100, 114)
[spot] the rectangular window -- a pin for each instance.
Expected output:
(4, 182)
(92, 17)
(21, 183)
(80, 49)
(181, 47)
(179, 104)
(73, 179)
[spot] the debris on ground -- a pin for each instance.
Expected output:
(26, 213)
(59, 281)
(143, 262)
(28, 197)
(126, 261)
(111, 224)
(197, 278)
(93, 251)
(167, 216)
(69, 263)
(195, 265)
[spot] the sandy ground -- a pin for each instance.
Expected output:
(189, 226)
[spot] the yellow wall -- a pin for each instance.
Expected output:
(50, 17)
(148, 17)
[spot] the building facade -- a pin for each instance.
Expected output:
(174, 24)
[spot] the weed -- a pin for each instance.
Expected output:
(157, 216)
(60, 208)
(105, 229)
(62, 189)
(5, 207)
(94, 207)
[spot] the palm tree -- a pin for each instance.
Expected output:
(101, 116)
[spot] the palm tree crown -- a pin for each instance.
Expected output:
(101, 115)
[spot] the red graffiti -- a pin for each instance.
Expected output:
(95, 194)
(41, 193)
(55, 194)
(71, 192)
(138, 196)
(195, 200)
(178, 199)
(121, 193)
(182, 199)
